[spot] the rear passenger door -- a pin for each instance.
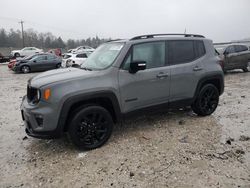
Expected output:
(51, 62)
(186, 67)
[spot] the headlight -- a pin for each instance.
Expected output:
(33, 95)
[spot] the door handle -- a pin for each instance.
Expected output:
(197, 68)
(162, 75)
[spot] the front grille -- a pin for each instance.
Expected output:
(31, 94)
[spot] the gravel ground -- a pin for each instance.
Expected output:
(175, 149)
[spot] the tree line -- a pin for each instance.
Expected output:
(13, 38)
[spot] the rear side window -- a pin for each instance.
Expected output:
(181, 51)
(51, 57)
(240, 48)
(81, 55)
(199, 48)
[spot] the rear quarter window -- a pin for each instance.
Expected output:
(181, 51)
(199, 48)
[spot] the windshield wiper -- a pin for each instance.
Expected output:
(85, 68)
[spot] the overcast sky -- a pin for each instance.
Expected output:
(219, 20)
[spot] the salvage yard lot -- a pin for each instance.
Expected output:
(175, 149)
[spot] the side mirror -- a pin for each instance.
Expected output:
(136, 66)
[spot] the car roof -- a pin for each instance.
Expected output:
(159, 37)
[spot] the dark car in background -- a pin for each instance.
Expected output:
(3, 59)
(37, 62)
(234, 56)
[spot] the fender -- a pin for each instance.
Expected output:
(72, 100)
(217, 76)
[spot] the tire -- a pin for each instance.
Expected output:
(25, 69)
(17, 55)
(90, 127)
(76, 66)
(58, 65)
(206, 101)
(245, 69)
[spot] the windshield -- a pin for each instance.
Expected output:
(103, 56)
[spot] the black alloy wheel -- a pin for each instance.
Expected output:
(207, 100)
(25, 69)
(91, 127)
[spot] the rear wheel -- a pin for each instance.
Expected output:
(58, 65)
(207, 100)
(91, 127)
(25, 69)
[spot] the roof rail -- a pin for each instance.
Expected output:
(169, 34)
(112, 40)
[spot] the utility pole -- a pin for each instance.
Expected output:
(21, 22)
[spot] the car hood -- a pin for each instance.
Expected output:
(15, 51)
(60, 75)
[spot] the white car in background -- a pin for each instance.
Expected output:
(81, 49)
(74, 59)
(27, 51)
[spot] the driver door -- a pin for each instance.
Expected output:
(146, 87)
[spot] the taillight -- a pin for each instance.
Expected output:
(221, 62)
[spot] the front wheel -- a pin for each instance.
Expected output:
(25, 69)
(17, 55)
(90, 127)
(58, 65)
(245, 69)
(206, 101)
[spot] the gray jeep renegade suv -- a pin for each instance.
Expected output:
(144, 73)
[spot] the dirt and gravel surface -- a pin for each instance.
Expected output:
(175, 149)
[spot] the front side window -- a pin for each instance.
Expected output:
(103, 57)
(230, 50)
(153, 53)
(51, 57)
(181, 51)
(81, 56)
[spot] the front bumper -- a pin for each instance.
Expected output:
(35, 126)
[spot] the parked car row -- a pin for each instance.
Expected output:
(234, 56)
(37, 62)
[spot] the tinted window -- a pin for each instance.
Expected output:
(51, 57)
(229, 50)
(181, 51)
(240, 48)
(199, 48)
(153, 53)
(66, 56)
(41, 58)
(81, 55)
